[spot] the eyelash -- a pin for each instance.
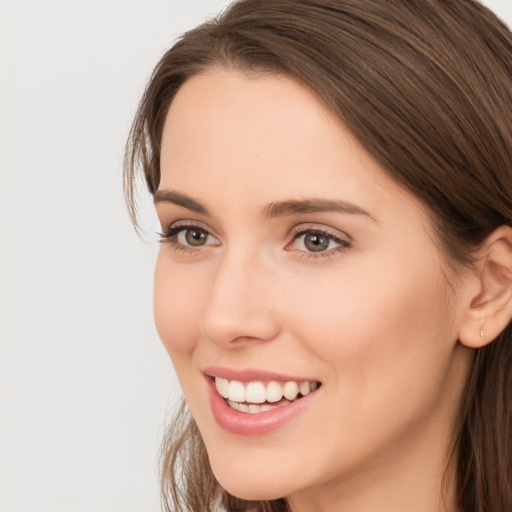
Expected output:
(170, 237)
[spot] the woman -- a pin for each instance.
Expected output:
(333, 179)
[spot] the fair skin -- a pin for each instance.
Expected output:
(355, 298)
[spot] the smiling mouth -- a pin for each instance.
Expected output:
(256, 396)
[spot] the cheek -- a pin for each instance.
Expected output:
(377, 330)
(176, 303)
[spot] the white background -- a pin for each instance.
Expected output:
(85, 385)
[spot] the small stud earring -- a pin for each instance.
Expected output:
(482, 333)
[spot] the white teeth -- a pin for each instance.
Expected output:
(236, 391)
(291, 390)
(257, 393)
(234, 405)
(274, 392)
(254, 409)
(222, 387)
(303, 388)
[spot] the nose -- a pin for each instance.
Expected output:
(240, 306)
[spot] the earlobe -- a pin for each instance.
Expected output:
(490, 310)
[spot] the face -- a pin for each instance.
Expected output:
(296, 278)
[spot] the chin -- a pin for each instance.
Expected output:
(251, 483)
(248, 490)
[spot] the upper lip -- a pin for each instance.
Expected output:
(251, 374)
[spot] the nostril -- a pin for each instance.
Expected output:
(237, 329)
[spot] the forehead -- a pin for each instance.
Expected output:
(265, 138)
(258, 113)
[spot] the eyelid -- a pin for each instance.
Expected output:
(320, 228)
(183, 224)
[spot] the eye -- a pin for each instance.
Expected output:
(194, 237)
(317, 242)
(188, 237)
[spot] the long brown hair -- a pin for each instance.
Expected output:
(426, 87)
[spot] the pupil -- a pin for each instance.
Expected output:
(316, 243)
(195, 237)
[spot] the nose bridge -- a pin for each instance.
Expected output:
(238, 307)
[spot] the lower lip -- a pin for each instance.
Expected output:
(256, 424)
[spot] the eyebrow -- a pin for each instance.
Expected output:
(170, 196)
(272, 210)
(314, 205)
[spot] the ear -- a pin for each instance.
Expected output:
(490, 308)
